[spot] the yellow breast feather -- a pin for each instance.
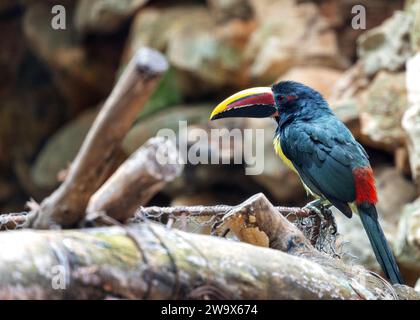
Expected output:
(288, 163)
(279, 151)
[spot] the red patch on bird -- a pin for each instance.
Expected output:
(257, 99)
(365, 185)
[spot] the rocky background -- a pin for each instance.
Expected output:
(53, 82)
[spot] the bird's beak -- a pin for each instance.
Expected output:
(250, 103)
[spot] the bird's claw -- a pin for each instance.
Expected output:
(322, 209)
(318, 206)
(313, 208)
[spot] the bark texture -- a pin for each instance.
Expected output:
(149, 261)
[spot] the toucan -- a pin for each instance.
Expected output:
(333, 167)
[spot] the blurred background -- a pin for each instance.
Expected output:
(52, 83)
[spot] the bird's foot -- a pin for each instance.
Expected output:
(318, 206)
(322, 208)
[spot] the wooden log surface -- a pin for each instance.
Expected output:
(150, 261)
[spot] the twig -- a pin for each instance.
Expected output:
(14, 221)
(207, 211)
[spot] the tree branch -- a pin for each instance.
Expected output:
(136, 181)
(149, 261)
(66, 206)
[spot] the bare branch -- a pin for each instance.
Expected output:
(66, 206)
(136, 181)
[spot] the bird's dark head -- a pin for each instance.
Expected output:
(296, 98)
(283, 98)
(289, 92)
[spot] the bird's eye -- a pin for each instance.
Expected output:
(282, 98)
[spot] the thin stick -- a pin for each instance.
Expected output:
(208, 211)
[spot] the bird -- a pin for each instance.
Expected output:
(333, 167)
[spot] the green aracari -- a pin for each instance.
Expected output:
(314, 143)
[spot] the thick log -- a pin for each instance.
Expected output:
(149, 261)
(136, 181)
(66, 206)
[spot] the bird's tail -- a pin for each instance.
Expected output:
(383, 253)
